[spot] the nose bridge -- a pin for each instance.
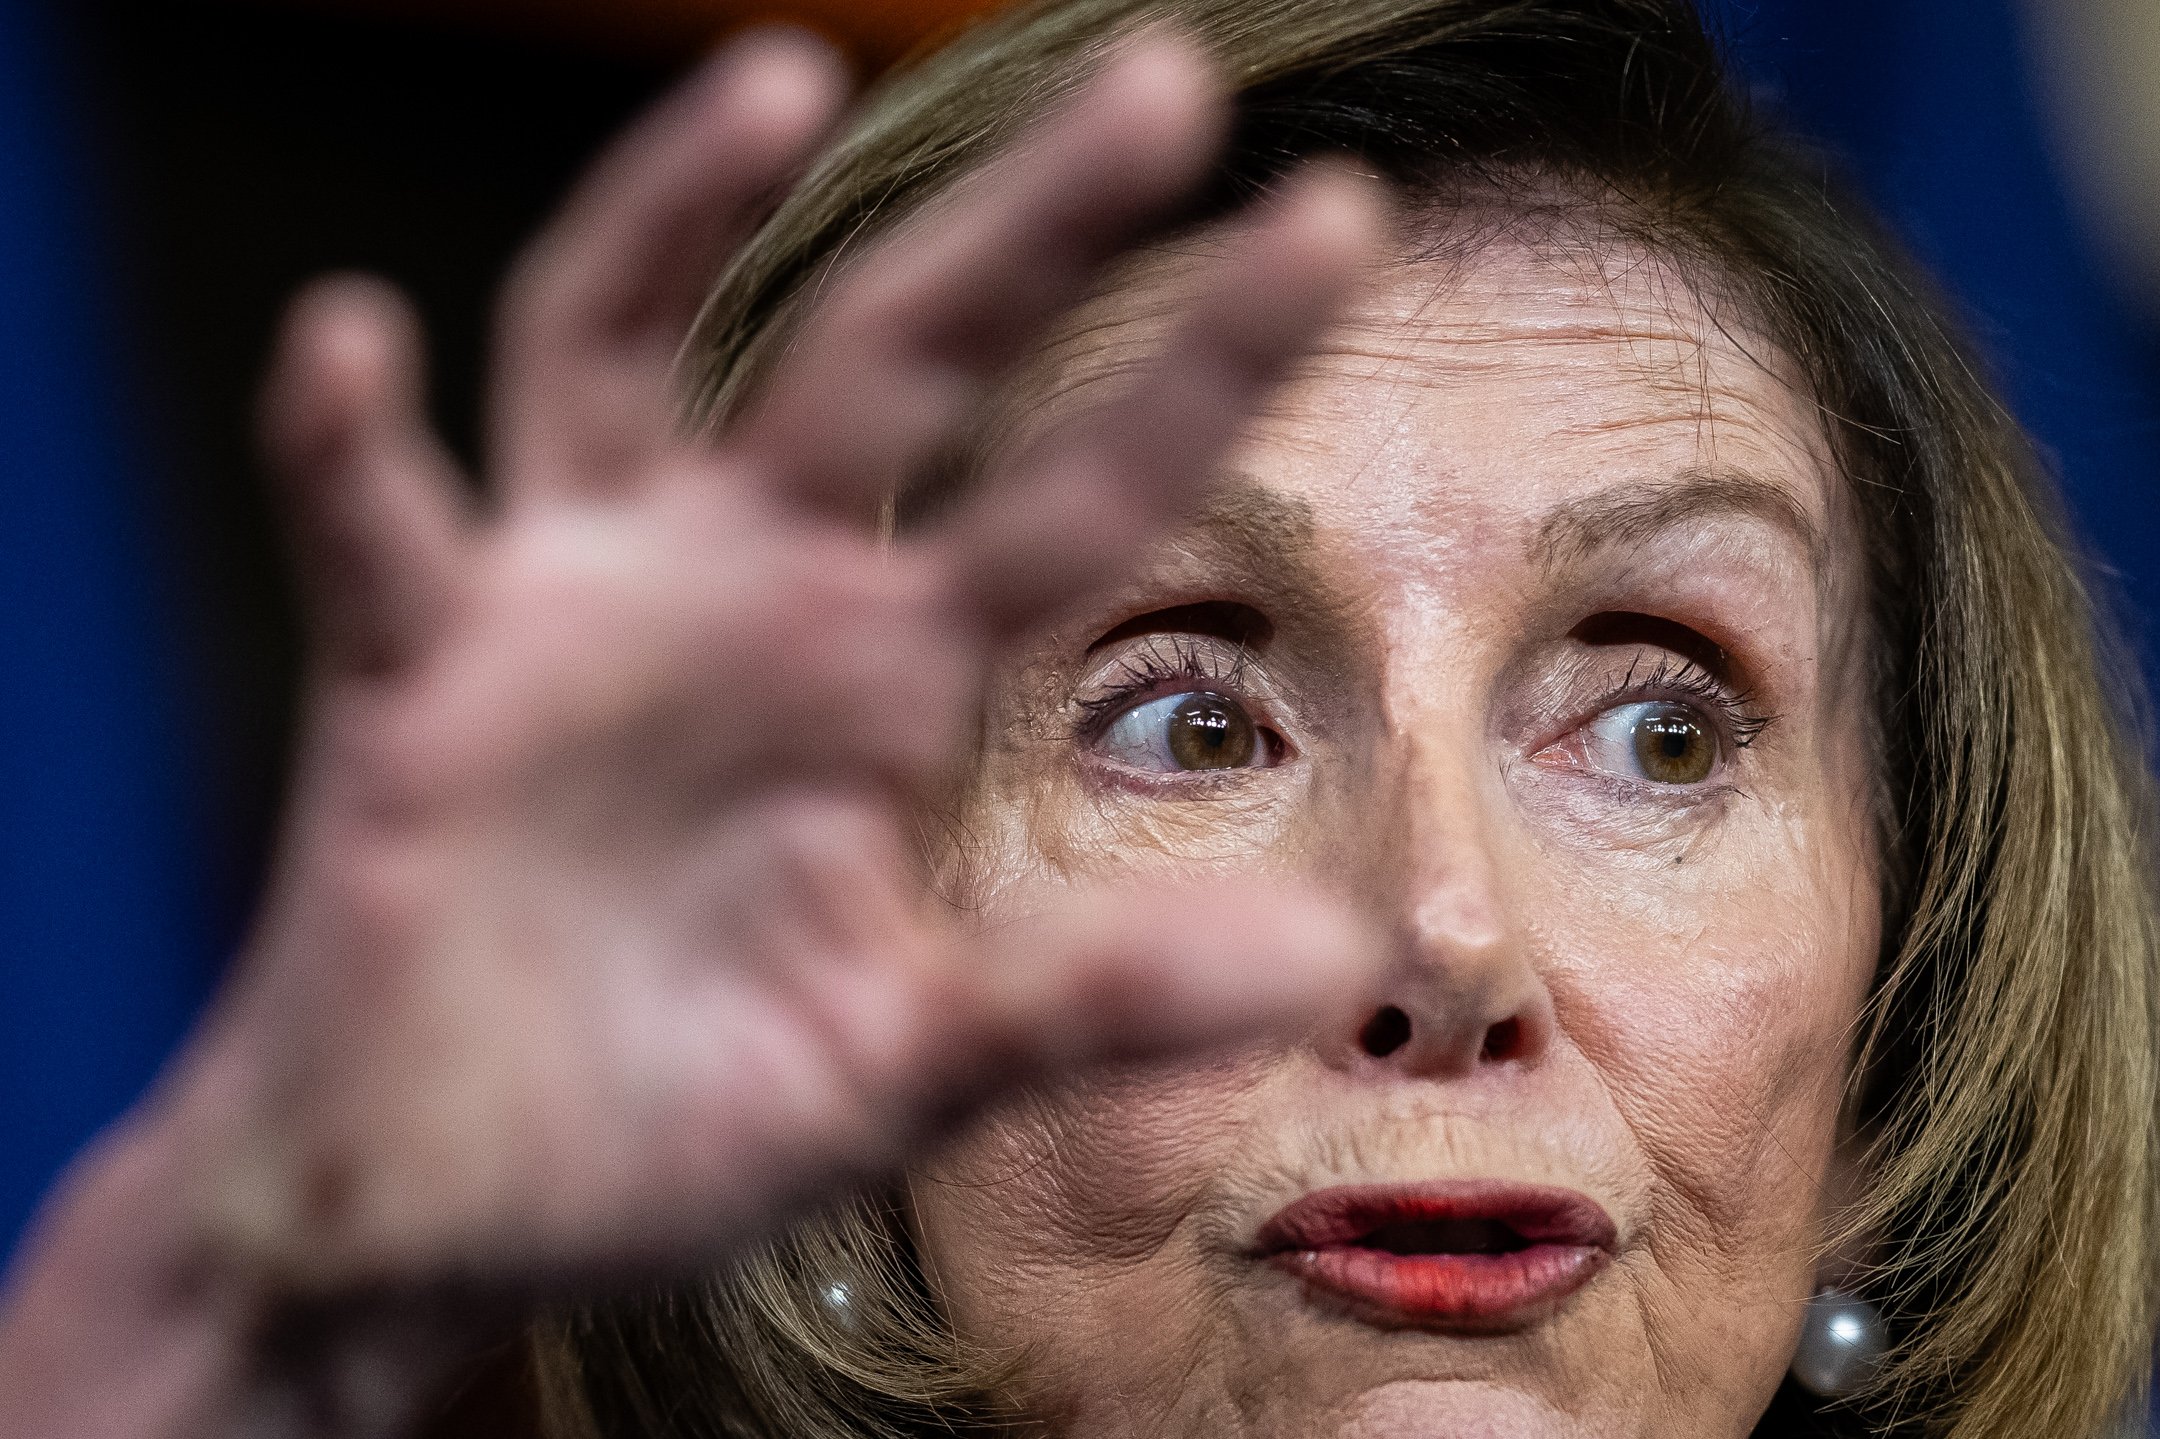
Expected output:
(1462, 992)
(1450, 874)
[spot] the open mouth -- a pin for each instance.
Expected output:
(1444, 1236)
(1477, 1256)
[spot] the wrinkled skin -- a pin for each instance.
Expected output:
(1636, 989)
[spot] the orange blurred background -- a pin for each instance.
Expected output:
(875, 32)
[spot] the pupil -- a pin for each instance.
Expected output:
(1673, 748)
(1208, 731)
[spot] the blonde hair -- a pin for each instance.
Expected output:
(2005, 1072)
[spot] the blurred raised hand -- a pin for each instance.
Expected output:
(595, 942)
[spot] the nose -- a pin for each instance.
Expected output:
(1462, 995)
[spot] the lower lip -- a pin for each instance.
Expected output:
(1467, 1293)
(1570, 1239)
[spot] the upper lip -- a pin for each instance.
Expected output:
(1447, 1216)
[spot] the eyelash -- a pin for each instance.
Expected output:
(1146, 673)
(1149, 672)
(1676, 678)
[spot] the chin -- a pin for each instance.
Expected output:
(1449, 1409)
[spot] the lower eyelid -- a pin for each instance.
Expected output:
(1604, 789)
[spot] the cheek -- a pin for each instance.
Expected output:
(1060, 1194)
(1719, 1014)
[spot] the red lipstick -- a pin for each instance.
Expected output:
(1475, 1257)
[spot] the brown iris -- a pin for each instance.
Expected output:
(1208, 731)
(1674, 747)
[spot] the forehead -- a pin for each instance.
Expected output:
(1480, 394)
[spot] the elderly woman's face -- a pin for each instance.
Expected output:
(1523, 624)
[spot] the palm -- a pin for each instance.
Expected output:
(597, 940)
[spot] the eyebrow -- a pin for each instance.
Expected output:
(1270, 541)
(1631, 514)
(1256, 521)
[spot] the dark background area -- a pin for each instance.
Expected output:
(170, 172)
(244, 150)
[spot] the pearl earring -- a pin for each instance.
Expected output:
(1841, 1341)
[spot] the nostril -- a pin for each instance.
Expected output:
(1386, 1032)
(1504, 1041)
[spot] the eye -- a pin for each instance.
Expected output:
(1656, 740)
(1197, 730)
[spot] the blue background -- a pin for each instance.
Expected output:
(1931, 105)
(107, 944)
(104, 952)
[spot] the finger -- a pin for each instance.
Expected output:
(374, 506)
(913, 332)
(872, 1055)
(1087, 497)
(595, 312)
(1130, 974)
